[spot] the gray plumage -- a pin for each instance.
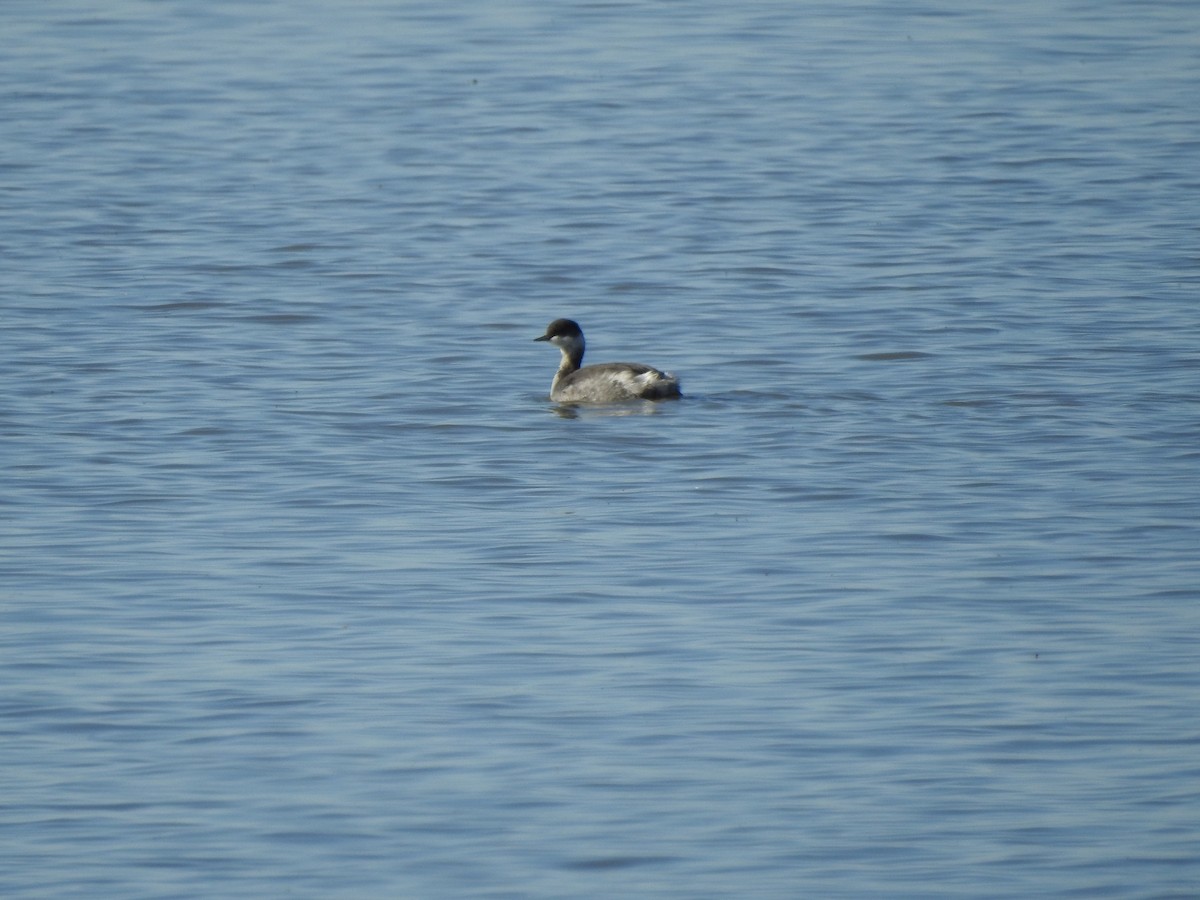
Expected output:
(603, 383)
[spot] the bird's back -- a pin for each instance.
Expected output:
(614, 382)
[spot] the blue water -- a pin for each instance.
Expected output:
(309, 591)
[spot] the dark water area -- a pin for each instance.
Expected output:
(308, 590)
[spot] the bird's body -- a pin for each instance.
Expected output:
(605, 382)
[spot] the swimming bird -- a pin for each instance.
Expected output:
(603, 383)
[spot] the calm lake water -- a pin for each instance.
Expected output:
(309, 591)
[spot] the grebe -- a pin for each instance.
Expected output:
(603, 383)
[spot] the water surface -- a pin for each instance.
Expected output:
(309, 591)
